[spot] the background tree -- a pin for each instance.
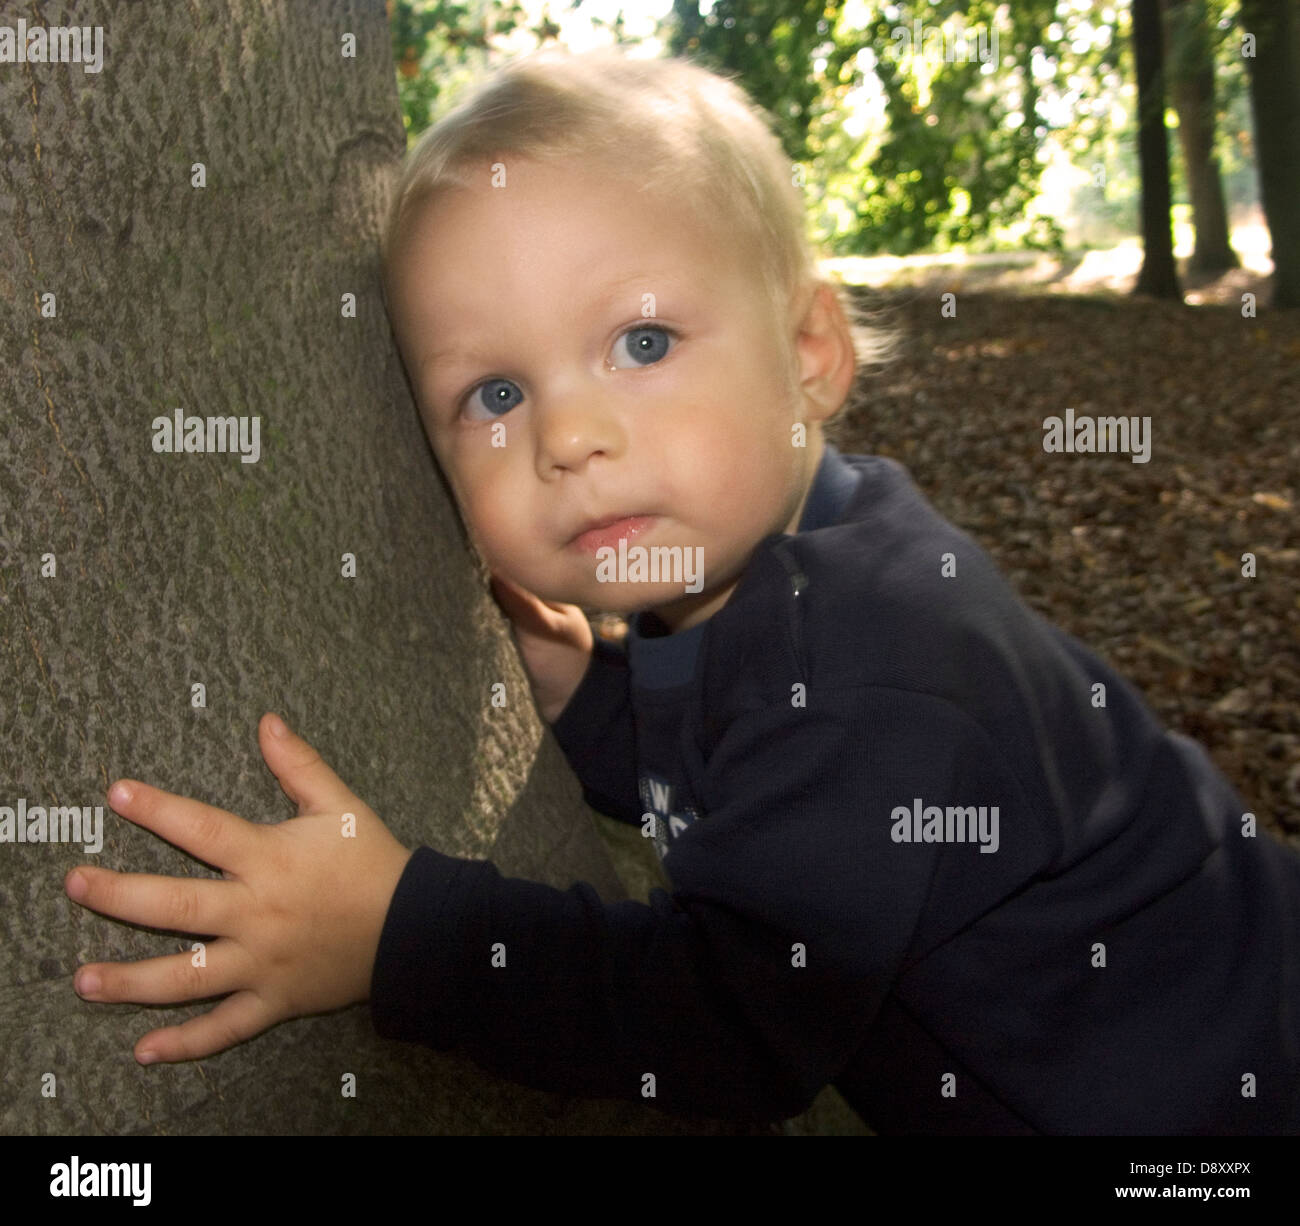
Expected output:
(1190, 61)
(135, 284)
(1271, 46)
(1159, 276)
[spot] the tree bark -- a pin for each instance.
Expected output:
(1275, 103)
(1191, 83)
(132, 576)
(1159, 275)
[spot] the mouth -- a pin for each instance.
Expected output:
(606, 533)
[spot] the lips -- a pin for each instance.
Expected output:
(603, 533)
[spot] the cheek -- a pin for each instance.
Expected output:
(491, 502)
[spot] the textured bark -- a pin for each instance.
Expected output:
(177, 569)
(1159, 276)
(1191, 86)
(1275, 103)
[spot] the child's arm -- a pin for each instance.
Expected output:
(756, 982)
(298, 916)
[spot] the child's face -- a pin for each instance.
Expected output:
(526, 306)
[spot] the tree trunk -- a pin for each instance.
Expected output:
(1159, 276)
(1191, 81)
(133, 576)
(1275, 103)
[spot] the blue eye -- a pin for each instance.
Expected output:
(644, 345)
(497, 396)
(637, 346)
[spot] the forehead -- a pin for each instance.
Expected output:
(558, 236)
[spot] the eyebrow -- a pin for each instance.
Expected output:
(472, 355)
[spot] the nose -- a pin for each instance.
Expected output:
(571, 432)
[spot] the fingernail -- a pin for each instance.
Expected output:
(87, 983)
(277, 726)
(119, 794)
(78, 886)
(147, 1057)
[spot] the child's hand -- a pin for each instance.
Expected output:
(555, 641)
(298, 916)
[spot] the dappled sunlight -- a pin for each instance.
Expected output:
(1111, 270)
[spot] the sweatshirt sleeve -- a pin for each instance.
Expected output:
(595, 731)
(751, 987)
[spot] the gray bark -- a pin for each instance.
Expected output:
(182, 569)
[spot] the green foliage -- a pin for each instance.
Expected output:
(961, 153)
(952, 161)
(437, 43)
(953, 148)
(771, 47)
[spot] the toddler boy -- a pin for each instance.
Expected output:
(922, 844)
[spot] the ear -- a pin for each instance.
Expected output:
(824, 344)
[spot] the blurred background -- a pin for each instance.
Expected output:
(1001, 138)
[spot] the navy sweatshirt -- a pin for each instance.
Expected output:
(922, 844)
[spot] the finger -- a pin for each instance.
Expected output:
(183, 904)
(213, 835)
(235, 1019)
(302, 772)
(165, 981)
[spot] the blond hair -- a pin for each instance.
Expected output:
(668, 125)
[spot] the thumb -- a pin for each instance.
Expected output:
(302, 772)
